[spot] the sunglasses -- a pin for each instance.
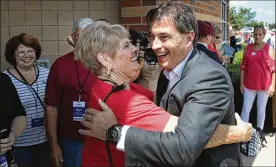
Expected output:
(258, 27)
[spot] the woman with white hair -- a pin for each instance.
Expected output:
(106, 50)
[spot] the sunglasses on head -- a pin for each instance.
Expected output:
(259, 27)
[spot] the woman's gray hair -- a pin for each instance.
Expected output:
(99, 37)
(216, 28)
(81, 23)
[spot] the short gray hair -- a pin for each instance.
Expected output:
(99, 37)
(216, 28)
(81, 23)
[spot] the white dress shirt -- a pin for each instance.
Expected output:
(173, 76)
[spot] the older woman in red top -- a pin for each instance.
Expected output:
(257, 76)
(107, 51)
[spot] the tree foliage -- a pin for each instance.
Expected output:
(255, 23)
(271, 26)
(241, 17)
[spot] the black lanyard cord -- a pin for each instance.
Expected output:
(115, 88)
(30, 87)
(81, 86)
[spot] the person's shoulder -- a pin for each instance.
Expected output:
(138, 88)
(69, 57)
(8, 72)
(4, 76)
(130, 97)
(141, 90)
(43, 69)
(5, 80)
(63, 62)
(204, 63)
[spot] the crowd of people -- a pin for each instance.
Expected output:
(54, 117)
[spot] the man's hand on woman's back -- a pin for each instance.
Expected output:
(98, 122)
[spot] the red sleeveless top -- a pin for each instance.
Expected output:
(258, 67)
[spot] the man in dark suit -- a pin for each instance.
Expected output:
(205, 32)
(199, 91)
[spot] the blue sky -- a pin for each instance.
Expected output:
(265, 10)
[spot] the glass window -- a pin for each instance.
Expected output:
(224, 20)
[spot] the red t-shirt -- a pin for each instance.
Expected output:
(62, 89)
(258, 68)
(132, 107)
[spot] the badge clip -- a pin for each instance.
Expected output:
(79, 98)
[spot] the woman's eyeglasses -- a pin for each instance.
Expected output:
(23, 53)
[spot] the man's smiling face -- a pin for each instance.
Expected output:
(170, 46)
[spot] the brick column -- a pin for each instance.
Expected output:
(133, 12)
(228, 21)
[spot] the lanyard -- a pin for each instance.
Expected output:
(81, 86)
(31, 88)
(115, 88)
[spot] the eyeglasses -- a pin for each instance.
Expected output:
(23, 53)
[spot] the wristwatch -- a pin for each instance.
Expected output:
(113, 133)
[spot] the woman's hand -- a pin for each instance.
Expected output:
(244, 129)
(271, 90)
(98, 122)
(7, 143)
(242, 87)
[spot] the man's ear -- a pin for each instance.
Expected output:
(190, 38)
(105, 60)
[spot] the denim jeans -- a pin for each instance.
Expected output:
(33, 156)
(248, 100)
(71, 151)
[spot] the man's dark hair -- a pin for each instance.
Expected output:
(15, 41)
(181, 15)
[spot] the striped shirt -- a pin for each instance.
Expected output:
(31, 136)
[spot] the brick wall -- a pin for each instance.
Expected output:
(51, 21)
(133, 12)
(228, 22)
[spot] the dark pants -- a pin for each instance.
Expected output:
(71, 151)
(33, 156)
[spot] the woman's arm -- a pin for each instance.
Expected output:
(242, 68)
(18, 125)
(271, 89)
(19, 118)
(228, 134)
(224, 134)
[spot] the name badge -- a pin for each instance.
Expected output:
(78, 110)
(3, 161)
(37, 121)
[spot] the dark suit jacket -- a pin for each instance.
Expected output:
(209, 53)
(202, 98)
(161, 87)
